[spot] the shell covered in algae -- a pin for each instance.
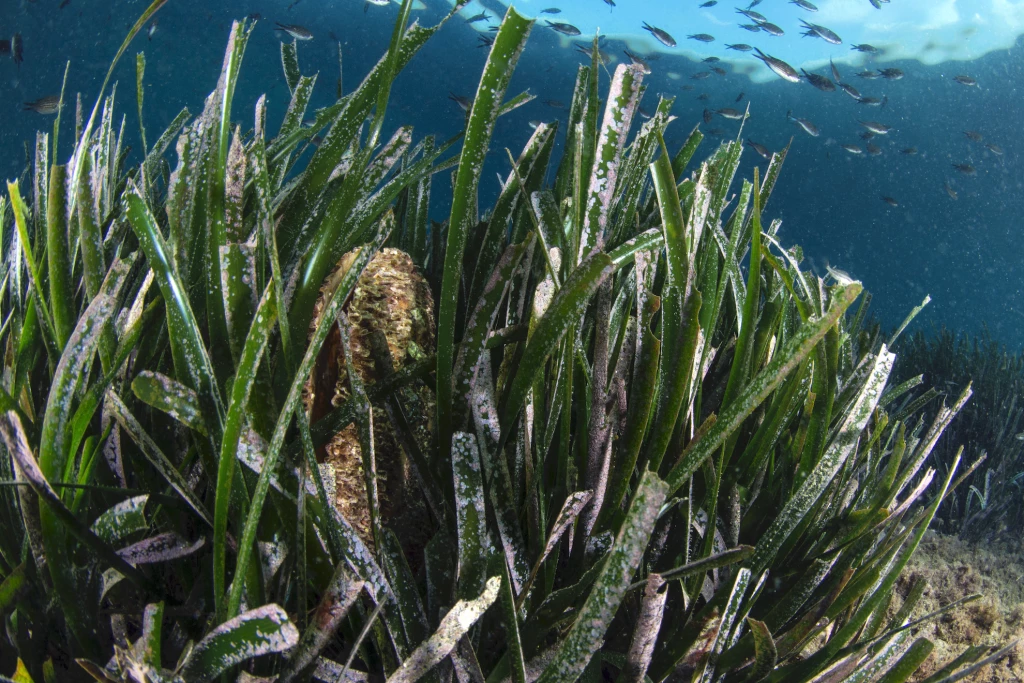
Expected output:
(391, 296)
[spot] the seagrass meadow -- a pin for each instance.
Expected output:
(264, 420)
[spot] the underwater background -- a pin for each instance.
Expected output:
(964, 252)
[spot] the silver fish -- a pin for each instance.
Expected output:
(995, 149)
(819, 82)
(890, 201)
(807, 126)
(852, 149)
(803, 4)
(295, 31)
(973, 135)
(771, 29)
(760, 149)
(815, 30)
(729, 113)
(966, 80)
(875, 127)
(779, 67)
(662, 36)
(949, 190)
(44, 105)
(464, 102)
(753, 16)
(850, 90)
(892, 74)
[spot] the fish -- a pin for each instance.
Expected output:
(966, 80)
(835, 71)
(293, 4)
(753, 4)
(476, 17)
(707, 115)
(753, 28)
(890, 201)
(740, 96)
(876, 4)
(864, 47)
(610, 3)
(17, 50)
(909, 151)
(709, 3)
(715, 132)
(892, 74)
(464, 102)
(662, 36)
(256, 16)
(866, 135)
(719, 70)
(815, 30)
(534, 124)
(852, 149)
(739, 47)
(564, 29)
(151, 30)
(729, 113)
(870, 101)
(966, 169)
(803, 4)
(639, 61)
(820, 82)
(44, 105)
(63, 4)
(557, 104)
(868, 74)
(602, 56)
(295, 31)
(973, 135)
(703, 97)
(551, 10)
(485, 41)
(701, 75)
(779, 67)
(711, 60)
(949, 190)
(686, 87)
(875, 127)
(807, 126)
(873, 150)
(760, 149)
(851, 91)
(771, 29)
(702, 37)
(995, 149)
(756, 17)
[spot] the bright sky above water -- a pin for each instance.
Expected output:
(930, 31)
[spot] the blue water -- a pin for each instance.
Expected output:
(965, 253)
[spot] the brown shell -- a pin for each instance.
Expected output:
(390, 295)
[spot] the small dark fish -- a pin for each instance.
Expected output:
(701, 75)
(639, 61)
(779, 67)
(753, 28)
(771, 29)
(702, 37)
(819, 82)
(803, 4)
(816, 31)
(852, 149)
(565, 29)
(890, 201)
(715, 132)
(949, 190)
(753, 4)
(484, 41)
(760, 149)
(864, 47)
(756, 17)
(464, 102)
(686, 87)
(294, 3)
(610, 3)
(875, 127)
(866, 135)
(995, 149)
(662, 36)
(966, 80)
(835, 71)
(708, 115)
(870, 101)
(703, 97)
(740, 96)
(966, 169)
(807, 126)
(551, 10)
(557, 104)
(719, 70)
(602, 56)
(476, 17)
(740, 47)
(64, 3)
(892, 74)
(850, 90)
(973, 135)
(44, 105)
(909, 151)
(295, 31)
(729, 113)
(709, 3)
(873, 150)
(877, 4)
(711, 60)
(643, 113)
(869, 74)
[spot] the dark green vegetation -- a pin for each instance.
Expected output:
(990, 506)
(605, 375)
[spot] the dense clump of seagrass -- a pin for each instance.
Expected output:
(631, 458)
(988, 506)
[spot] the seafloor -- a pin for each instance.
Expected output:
(954, 568)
